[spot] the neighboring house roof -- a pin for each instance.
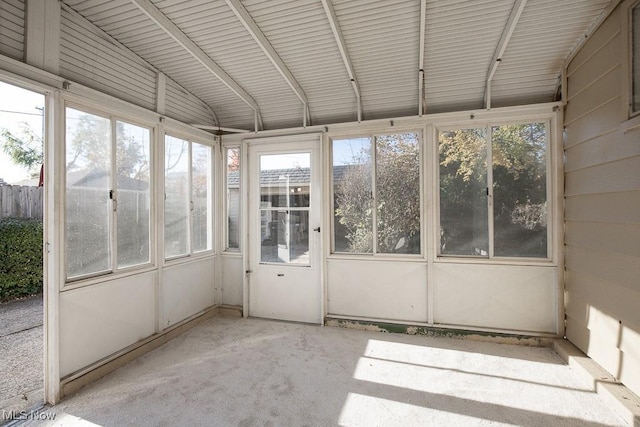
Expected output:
(296, 176)
(99, 178)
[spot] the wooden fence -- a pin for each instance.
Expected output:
(18, 201)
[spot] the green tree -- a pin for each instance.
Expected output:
(25, 150)
(519, 187)
(397, 197)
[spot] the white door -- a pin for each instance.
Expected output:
(284, 229)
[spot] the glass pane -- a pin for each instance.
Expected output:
(201, 192)
(284, 236)
(284, 180)
(520, 190)
(87, 203)
(398, 193)
(636, 58)
(233, 198)
(176, 203)
(352, 193)
(134, 197)
(463, 192)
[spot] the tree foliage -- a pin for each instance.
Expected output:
(90, 147)
(395, 203)
(519, 188)
(25, 150)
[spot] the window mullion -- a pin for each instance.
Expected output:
(374, 204)
(189, 206)
(489, 151)
(113, 170)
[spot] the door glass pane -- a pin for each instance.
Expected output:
(134, 197)
(87, 203)
(463, 192)
(176, 204)
(284, 236)
(284, 207)
(284, 180)
(201, 197)
(520, 190)
(233, 198)
(398, 193)
(352, 195)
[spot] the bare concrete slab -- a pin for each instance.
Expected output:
(230, 371)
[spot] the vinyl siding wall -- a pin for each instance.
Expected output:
(602, 191)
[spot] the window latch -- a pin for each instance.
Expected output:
(113, 199)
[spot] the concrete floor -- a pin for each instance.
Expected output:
(239, 372)
(21, 353)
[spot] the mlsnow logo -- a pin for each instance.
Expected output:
(26, 415)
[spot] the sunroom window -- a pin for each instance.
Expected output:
(376, 194)
(188, 223)
(233, 198)
(108, 194)
(493, 191)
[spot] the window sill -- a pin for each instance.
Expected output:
(186, 259)
(376, 258)
(82, 282)
(521, 262)
(631, 125)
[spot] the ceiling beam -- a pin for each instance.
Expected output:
(250, 25)
(194, 50)
(514, 17)
(423, 24)
(342, 46)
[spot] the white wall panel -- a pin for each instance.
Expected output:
(187, 288)
(516, 298)
(377, 289)
(99, 320)
(96, 62)
(232, 280)
(12, 24)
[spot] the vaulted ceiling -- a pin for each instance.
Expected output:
(285, 63)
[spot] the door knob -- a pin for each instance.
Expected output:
(317, 229)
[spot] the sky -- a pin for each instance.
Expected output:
(17, 106)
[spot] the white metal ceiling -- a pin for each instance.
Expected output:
(382, 38)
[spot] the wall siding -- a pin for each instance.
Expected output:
(12, 25)
(96, 62)
(602, 219)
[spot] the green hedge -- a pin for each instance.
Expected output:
(20, 258)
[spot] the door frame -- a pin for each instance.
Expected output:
(245, 185)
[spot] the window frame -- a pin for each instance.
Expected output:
(225, 202)
(491, 257)
(190, 253)
(371, 135)
(113, 213)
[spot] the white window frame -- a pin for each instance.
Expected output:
(113, 241)
(225, 202)
(374, 231)
(191, 254)
(488, 125)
